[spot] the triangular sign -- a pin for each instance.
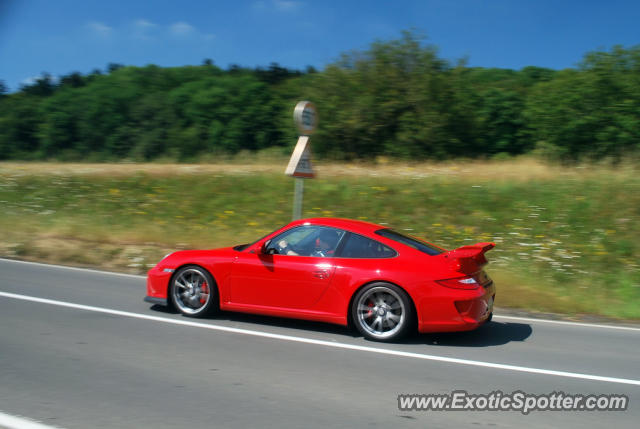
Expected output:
(300, 162)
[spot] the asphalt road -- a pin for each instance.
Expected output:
(92, 354)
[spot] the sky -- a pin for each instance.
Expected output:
(63, 36)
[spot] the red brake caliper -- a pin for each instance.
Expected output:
(370, 312)
(205, 289)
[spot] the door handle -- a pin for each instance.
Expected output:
(321, 274)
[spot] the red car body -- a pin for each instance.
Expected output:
(322, 288)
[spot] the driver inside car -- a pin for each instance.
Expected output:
(284, 248)
(325, 244)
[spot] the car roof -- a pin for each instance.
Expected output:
(358, 226)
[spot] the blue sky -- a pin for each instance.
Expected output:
(62, 36)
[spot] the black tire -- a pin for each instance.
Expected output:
(193, 292)
(382, 312)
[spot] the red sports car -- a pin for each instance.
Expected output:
(341, 271)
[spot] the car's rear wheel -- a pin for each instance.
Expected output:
(194, 292)
(382, 312)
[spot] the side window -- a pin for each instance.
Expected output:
(318, 241)
(358, 246)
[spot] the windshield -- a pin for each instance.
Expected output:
(416, 243)
(241, 247)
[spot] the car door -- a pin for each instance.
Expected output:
(294, 279)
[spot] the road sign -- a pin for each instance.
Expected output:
(300, 162)
(305, 117)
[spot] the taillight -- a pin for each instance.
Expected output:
(460, 283)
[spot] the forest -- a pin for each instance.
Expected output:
(397, 99)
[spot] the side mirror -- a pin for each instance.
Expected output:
(264, 249)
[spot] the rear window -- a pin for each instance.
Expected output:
(358, 246)
(417, 244)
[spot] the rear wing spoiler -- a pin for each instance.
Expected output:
(469, 259)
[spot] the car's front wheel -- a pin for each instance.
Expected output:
(382, 312)
(194, 292)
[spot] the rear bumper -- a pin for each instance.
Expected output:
(461, 310)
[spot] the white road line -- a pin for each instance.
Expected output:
(15, 422)
(563, 322)
(64, 267)
(498, 316)
(321, 342)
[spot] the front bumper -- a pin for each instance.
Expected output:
(156, 301)
(157, 285)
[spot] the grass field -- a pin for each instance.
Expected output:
(567, 237)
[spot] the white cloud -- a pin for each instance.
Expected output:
(29, 81)
(99, 29)
(143, 29)
(286, 5)
(276, 5)
(181, 29)
(147, 31)
(33, 79)
(143, 23)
